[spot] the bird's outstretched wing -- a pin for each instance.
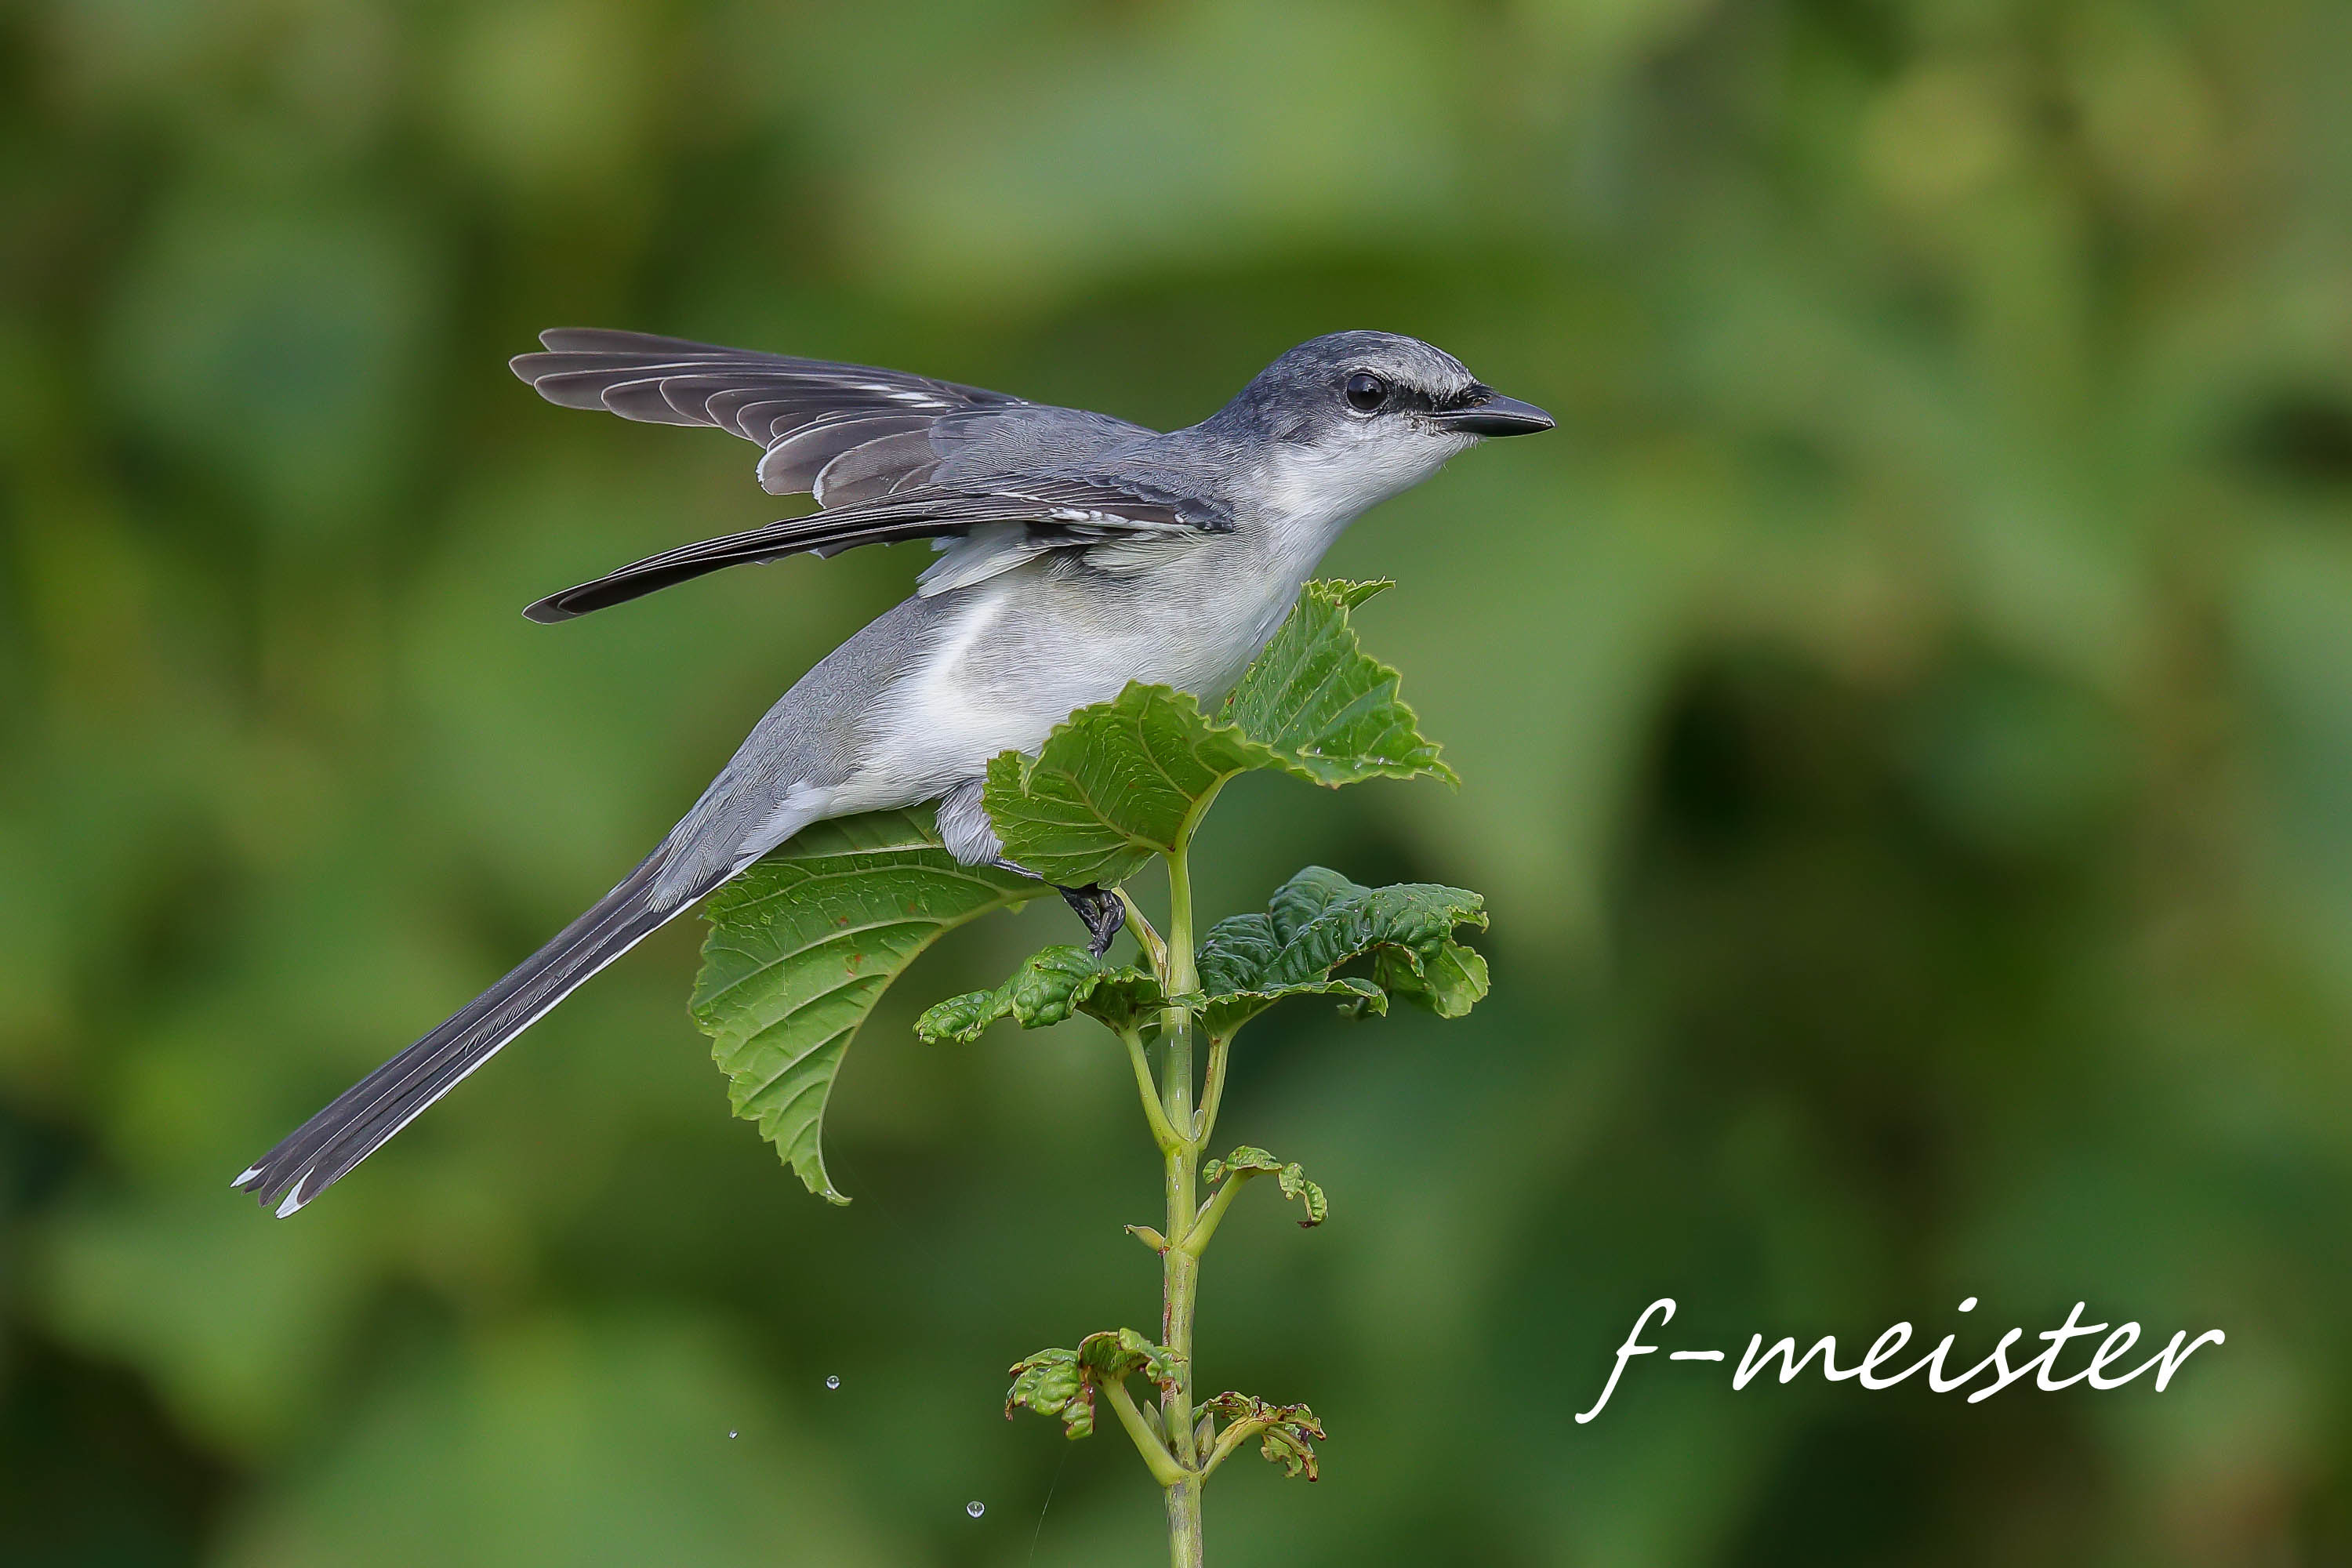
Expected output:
(807, 413)
(888, 456)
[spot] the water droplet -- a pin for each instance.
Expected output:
(730, 1433)
(975, 1508)
(833, 1382)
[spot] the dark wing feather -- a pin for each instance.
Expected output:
(1071, 511)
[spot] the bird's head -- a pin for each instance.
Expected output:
(1370, 414)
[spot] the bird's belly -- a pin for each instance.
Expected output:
(1027, 654)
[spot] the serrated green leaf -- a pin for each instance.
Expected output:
(1223, 1013)
(1287, 1432)
(1125, 999)
(1114, 785)
(1063, 1381)
(1318, 920)
(1330, 710)
(1048, 988)
(801, 946)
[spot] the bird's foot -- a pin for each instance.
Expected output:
(1101, 910)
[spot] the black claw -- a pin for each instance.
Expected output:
(1102, 911)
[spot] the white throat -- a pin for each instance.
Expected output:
(1309, 495)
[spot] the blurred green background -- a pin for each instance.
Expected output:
(1906, 715)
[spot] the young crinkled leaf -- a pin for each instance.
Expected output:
(1284, 1442)
(1052, 1383)
(1063, 1381)
(1247, 1161)
(804, 944)
(1123, 780)
(1048, 988)
(1318, 920)
(1123, 1352)
(1287, 1432)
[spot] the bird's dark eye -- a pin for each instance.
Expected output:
(1366, 392)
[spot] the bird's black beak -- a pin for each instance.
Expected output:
(1492, 414)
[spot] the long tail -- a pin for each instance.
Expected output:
(365, 1116)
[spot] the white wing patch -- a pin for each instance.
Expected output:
(1110, 541)
(979, 555)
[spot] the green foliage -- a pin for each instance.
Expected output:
(1047, 988)
(804, 944)
(1063, 1381)
(1114, 785)
(1315, 923)
(1318, 920)
(1328, 708)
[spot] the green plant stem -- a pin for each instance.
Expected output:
(1181, 1268)
(1232, 1437)
(1184, 1523)
(1212, 1091)
(1155, 951)
(1156, 1458)
(1204, 1225)
(1162, 1133)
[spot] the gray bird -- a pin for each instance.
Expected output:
(1077, 553)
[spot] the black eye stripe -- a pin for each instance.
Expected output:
(1368, 392)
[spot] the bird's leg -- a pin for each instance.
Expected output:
(1101, 908)
(965, 829)
(1102, 911)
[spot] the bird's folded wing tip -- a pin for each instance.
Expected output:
(547, 612)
